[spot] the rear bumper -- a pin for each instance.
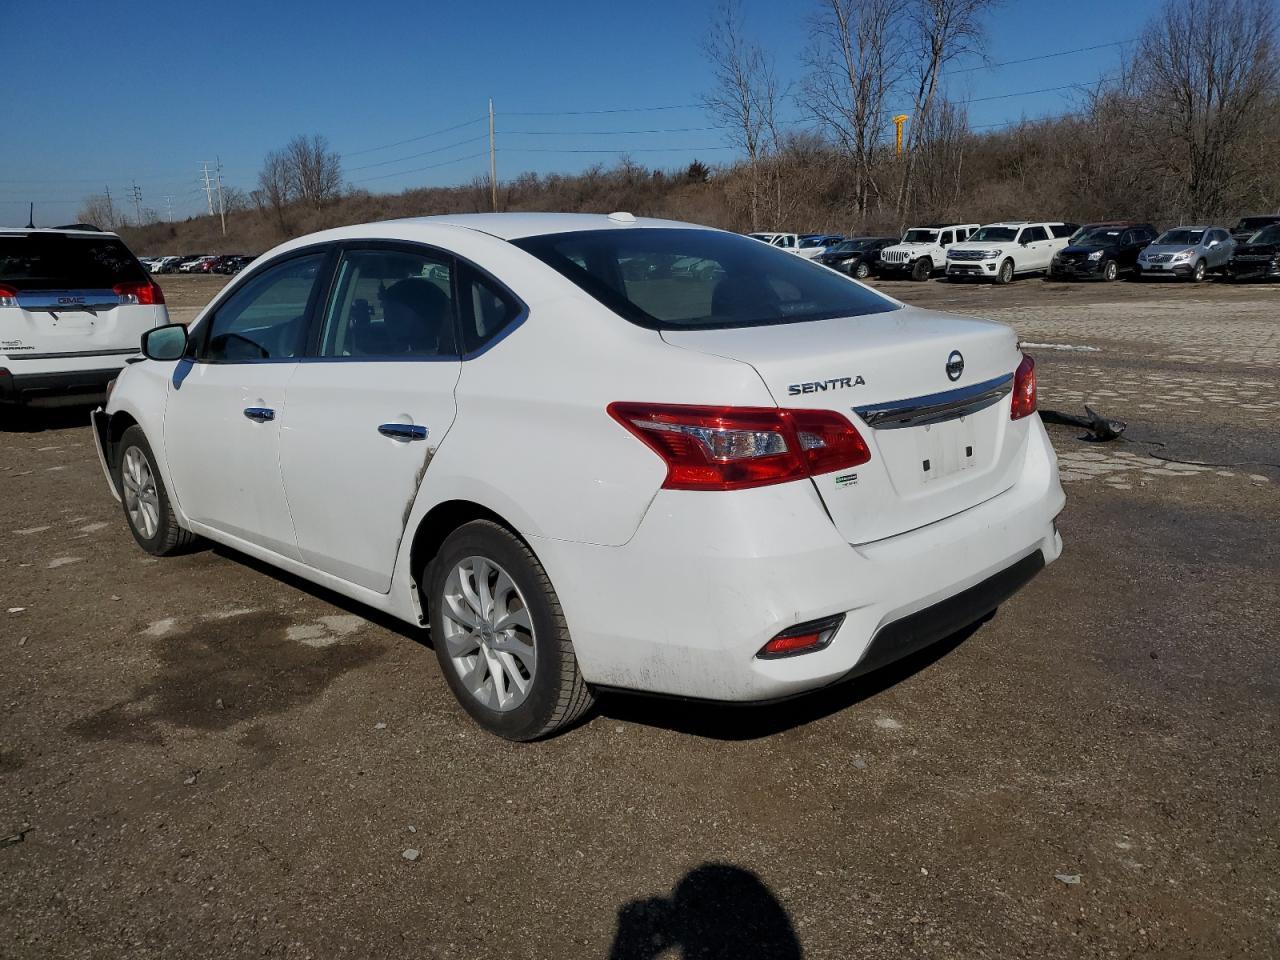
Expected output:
(50, 389)
(709, 578)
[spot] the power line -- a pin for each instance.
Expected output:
(1043, 56)
(430, 166)
(701, 149)
(585, 113)
(400, 143)
(608, 133)
(415, 156)
(1027, 93)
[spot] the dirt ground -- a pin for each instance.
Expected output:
(203, 758)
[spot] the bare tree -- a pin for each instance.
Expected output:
(315, 171)
(938, 31)
(99, 210)
(275, 187)
(1204, 83)
(745, 93)
(854, 60)
(944, 137)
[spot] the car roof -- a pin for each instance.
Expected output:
(1193, 226)
(513, 226)
(23, 231)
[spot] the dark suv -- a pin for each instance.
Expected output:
(856, 256)
(1248, 226)
(1259, 260)
(1102, 251)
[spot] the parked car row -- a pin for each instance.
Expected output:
(999, 252)
(197, 263)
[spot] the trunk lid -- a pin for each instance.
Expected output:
(939, 444)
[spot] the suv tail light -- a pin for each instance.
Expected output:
(1024, 390)
(139, 291)
(735, 448)
(8, 296)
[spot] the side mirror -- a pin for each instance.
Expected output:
(165, 343)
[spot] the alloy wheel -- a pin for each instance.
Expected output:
(488, 633)
(141, 496)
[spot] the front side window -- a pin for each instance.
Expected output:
(920, 236)
(266, 317)
(391, 304)
(681, 279)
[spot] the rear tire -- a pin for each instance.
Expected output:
(922, 269)
(491, 605)
(146, 501)
(1005, 274)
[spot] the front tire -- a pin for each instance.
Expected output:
(146, 501)
(1005, 274)
(500, 635)
(921, 269)
(862, 271)
(1198, 272)
(1110, 271)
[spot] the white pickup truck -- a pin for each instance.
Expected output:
(808, 246)
(923, 250)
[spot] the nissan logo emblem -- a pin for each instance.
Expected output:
(955, 365)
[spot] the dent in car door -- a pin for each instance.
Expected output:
(226, 404)
(366, 417)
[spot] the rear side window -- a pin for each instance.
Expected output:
(488, 311)
(61, 261)
(679, 279)
(1033, 234)
(391, 304)
(266, 318)
(1060, 230)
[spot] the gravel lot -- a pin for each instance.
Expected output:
(203, 758)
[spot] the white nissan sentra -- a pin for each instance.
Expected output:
(596, 452)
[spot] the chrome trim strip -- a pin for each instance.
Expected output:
(74, 353)
(67, 301)
(936, 407)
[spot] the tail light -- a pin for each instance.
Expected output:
(1024, 390)
(145, 292)
(805, 638)
(735, 448)
(8, 296)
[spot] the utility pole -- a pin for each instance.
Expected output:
(168, 202)
(493, 162)
(137, 202)
(208, 185)
(111, 210)
(222, 207)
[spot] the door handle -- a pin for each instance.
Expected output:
(403, 431)
(259, 414)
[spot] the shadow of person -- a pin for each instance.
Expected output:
(717, 912)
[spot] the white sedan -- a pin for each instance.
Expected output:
(596, 452)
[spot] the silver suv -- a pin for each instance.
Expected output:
(1189, 253)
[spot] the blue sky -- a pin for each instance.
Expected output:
(146, 91)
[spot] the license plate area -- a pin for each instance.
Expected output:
(945, 449)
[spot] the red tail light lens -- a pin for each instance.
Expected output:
(735, 448)
(139, 291)
(805, 638)
(8, 296)
(1024, 390)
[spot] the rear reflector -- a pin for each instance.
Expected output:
(735, 448)
(804, 638)
(1024, 390)
(140, 292)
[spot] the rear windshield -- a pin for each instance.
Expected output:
(59, 261)
(674, 279)
(1179, 237)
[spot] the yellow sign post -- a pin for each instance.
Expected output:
(898, 121)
